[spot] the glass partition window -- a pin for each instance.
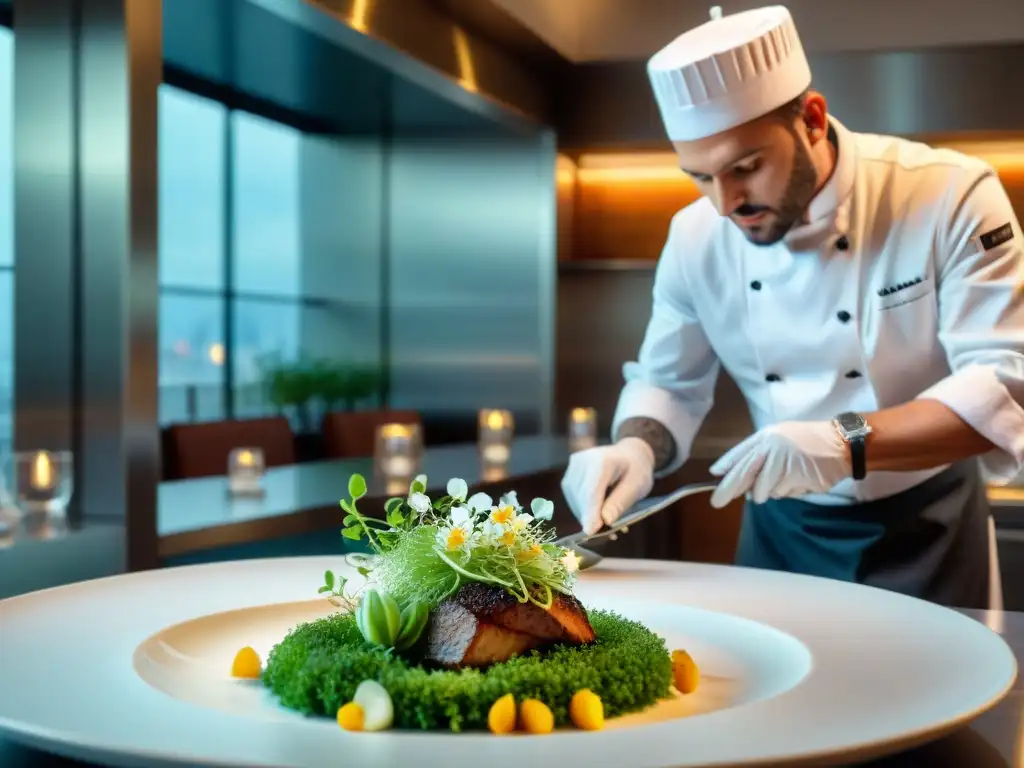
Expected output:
(266, 255)
(267, 223)
(193, 148)
(270, 249)
(6, 240)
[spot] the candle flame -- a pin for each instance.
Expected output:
(388, 431)
(245, 459)
(580, 415)
(42, 471)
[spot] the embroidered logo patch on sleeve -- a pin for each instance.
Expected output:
(996, 236)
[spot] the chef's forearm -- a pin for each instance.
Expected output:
(919, 435)
(655, 434)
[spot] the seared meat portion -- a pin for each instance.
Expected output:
(457, 638)
(566, 620)
(481, 625)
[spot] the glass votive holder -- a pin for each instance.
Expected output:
(246, 467)
(42, 482)
(397, 452)
(582, 429)
(494, 435)
(493, 473)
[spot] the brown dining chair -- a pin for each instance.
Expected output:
(201, 450)
(351, 434)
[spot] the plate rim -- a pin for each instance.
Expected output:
(611, 578)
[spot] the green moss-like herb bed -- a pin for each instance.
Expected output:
(316, 668)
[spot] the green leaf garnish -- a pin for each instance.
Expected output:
(356, 487)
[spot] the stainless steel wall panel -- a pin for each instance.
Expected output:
(45, 225)
(472, 261)
(928, 91)
(86, 77)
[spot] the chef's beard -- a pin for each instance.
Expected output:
(800, 189)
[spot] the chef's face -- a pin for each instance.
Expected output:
(762, 175)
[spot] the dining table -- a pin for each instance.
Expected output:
(200, 515)
(993, 740)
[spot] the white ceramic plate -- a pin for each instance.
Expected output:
(132, 670)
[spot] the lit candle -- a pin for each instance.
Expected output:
(495, 453)
(495, 436)
(582, 429)
(493, 473)
(42, 472)
(397, 466)
(397, 450)
(245, 471)
(42, 482)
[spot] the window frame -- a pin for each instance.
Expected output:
(236, 101)
(7, 441)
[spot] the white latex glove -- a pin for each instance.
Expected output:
(783, 460)
(626, 467)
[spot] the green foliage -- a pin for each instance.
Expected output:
(306, 384)
(317, 667)
(414, 565)
(412, 571)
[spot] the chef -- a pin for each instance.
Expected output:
(862, 292)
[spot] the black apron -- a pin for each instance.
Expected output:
(930, 541)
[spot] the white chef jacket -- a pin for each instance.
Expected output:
(902, 282)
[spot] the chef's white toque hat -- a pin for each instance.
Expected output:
(728, 71)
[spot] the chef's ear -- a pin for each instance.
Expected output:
(815, 116)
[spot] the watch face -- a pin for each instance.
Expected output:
(850, 422)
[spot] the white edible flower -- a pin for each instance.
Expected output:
(503, 514)
(458, 489)
(508, 516)
(519, 522)
(542, 509)
(479, 502)
(509, 500)
(420, 502)
(460, 533)
(461, 516)
(499, 534)
(571, 561)
(490, 532)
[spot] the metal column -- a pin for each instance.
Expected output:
(86, 298)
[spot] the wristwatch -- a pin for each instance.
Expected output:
(853, 429)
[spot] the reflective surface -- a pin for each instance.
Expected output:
(941, 90)
(85, 250)
(472, 260)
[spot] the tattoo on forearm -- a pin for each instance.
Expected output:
(655, 434)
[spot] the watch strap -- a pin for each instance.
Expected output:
(858, 460)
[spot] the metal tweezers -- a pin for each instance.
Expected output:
(639, 511)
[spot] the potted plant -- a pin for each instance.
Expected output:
(307, 389)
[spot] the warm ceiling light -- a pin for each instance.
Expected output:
(360, 17)
(464, 57)
(631, 166)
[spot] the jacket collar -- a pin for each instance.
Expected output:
(832, 201)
